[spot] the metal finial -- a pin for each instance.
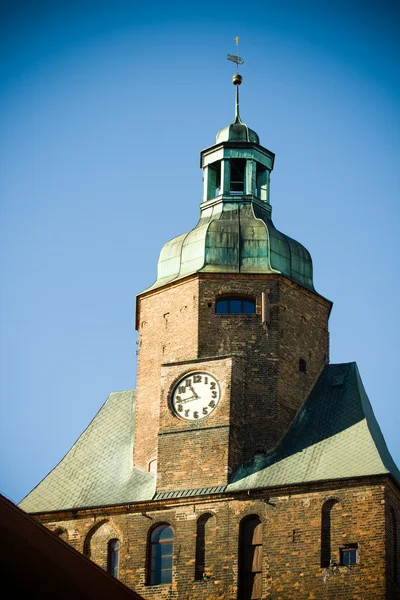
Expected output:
(236, 79)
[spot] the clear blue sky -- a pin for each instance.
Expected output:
(104, 108)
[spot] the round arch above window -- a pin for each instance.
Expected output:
(235, 305)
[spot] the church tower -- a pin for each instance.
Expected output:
(232, 334)
(245, 466)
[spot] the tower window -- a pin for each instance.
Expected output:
(250, 557)
(235, 306)
(393, 546)
(326, 532)
(113, 557)
(203, 541)
(261, 178)
(238, 166)
(302, 366)
(348, 555)
(161, 552)
(214, 180)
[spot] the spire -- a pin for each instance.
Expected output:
(237, 78)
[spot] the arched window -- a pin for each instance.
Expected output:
(161, 550)
(302, 365)
(326, 555)
(235, 305)
(113, 557)
(250, 557)
(203, 540)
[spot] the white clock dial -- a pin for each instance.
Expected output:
(195, 396)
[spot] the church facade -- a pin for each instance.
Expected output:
(245, 465)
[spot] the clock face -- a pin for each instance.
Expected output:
(195, 396)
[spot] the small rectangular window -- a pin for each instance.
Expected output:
(235, 306)
(348, 556)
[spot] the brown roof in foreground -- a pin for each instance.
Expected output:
(35, 560)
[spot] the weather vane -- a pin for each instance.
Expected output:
(236, 59)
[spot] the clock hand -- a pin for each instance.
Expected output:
(192, 390)
(190, 399)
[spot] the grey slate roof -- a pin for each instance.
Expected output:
(98, 470)
(334, 436)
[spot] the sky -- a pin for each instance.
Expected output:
(104, 109)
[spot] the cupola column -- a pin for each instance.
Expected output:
(206, 183)
(225, 177)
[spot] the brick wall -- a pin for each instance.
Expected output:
(392, 543)
(167, 325)
(291, 521)
(274, 386)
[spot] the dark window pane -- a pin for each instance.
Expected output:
(163, 532)
(249, 307)
(155, 578)
(166, 576)
(235, 306)
(113, 557)
(349, 557)
(163, 549)
(221, 307)
(247, 559)
(160, 563)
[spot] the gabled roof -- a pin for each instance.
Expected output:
(98, 470)
(334, 436)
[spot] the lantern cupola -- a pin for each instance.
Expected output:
(235, 233)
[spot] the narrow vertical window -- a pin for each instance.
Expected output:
(113, 557)
(238, 166)
(250, 557)
(302, 365)
(202, 543)
(326, 553)
(161, 552)
(394, 555)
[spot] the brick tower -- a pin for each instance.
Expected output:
(234, 305)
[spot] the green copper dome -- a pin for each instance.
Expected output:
(237, 132)
(237, 237)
